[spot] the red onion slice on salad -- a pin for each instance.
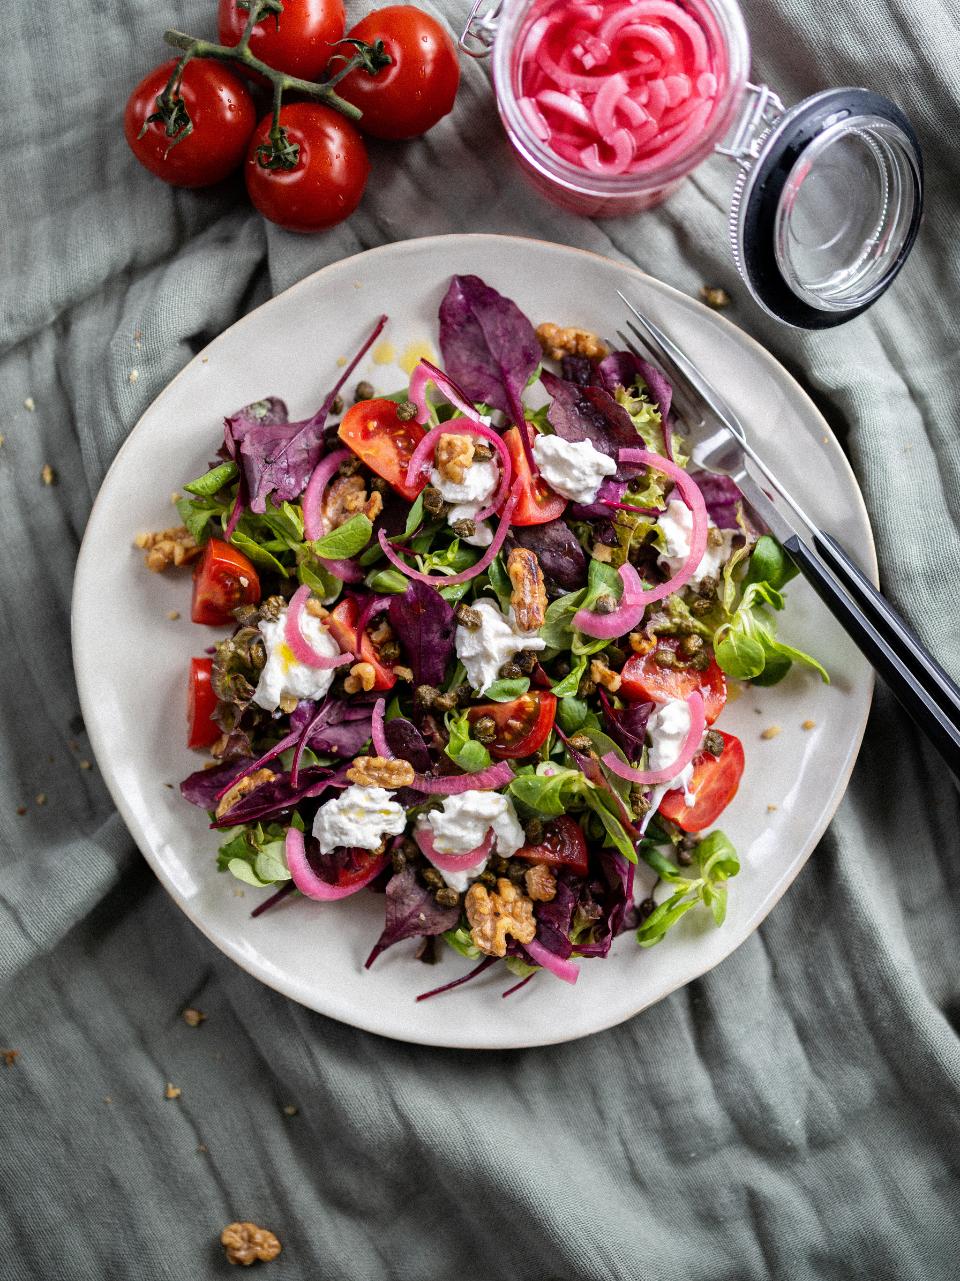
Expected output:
(423, 453)
(313, 886)
(565, 970)
(314, 526)
(445, 580)
(377, 734)
(301, 648)
(691, 745)
(621, 620)
(453, 862)
(427, 372)
(483, 780)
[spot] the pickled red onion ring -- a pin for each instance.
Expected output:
(621, 620)
(301, 648)
(565, 970)
(447, 580)
(690, 493)
(314, 526)
(313, 886)
(424, 453)
(377, 733)
(498, 775)
(691, 745)
(427, 372)
(453, 862)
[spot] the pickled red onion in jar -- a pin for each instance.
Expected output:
(617, 86)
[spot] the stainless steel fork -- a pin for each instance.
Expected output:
(719, 443)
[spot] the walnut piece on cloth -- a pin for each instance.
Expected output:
(245, 1243)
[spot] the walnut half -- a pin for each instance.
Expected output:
(245, 1243)
(377, 771)
(493, 916)
(541, 883)
(454, 455)
(529, 596)
(557, 341)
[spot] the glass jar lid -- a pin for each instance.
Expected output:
(827, 204)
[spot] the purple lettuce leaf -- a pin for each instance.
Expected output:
(562, 559)
(554, 918)
(202, 787)
(423, 621)
(489, 346)
(612, 896)
(411, 912)
(610, 491)
(577, 369)
(721, 495)
(623, 368)
(278, 796)
(406, 742)
(589, 413)
(627, 725)
(342, 725)
(278, 456)
(589, 765)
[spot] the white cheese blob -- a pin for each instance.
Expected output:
(483, 650)
(359, 816)
(479, 484)
(676, 525)
(574, 468)
(463, 823)
(668, 728)
(283, 676)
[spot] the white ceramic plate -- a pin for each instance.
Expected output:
(131, 660)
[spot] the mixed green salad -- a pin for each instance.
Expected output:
(480, 634)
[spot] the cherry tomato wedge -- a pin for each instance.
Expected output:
(345, 866)
(643, 680)
(538, 502)
(417, 88)
(522, 725)
(342, 622)
(297, 40)
(563, 845)
(222, 580)
(384, 442)
(714, 785)
(201, 704)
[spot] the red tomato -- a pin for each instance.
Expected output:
(538, 503)
(326, 182)
(714, 785)
(221, 110)
(384, 442)
(201, 704)
(342, 622)
(563, 845)
(522, 725)
(222, 580)
(296, 41)
(643, 680)
(417, 89)
(347, 866)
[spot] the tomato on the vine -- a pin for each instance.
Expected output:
(325, 180)
(211, 111)
(296, 40)
(223, 579)
(408, 97)
(384, 441)
(713, 786)
(522, 724)
(563, 844)
(202, 730)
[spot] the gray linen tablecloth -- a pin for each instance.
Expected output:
(792, 1115)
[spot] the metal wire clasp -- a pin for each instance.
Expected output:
(761, 110)
(478, 35)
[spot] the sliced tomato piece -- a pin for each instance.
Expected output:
(223, 579)
(202, 730)
(538, 503)
(522, 725)
(563, 845)
(342, 623)
(714, 785)
(382, 440)
(345, 866)
(643, 680)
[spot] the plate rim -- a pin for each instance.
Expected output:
(760, 910)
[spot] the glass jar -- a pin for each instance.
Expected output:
(829, 195)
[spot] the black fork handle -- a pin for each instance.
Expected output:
(895, 653)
